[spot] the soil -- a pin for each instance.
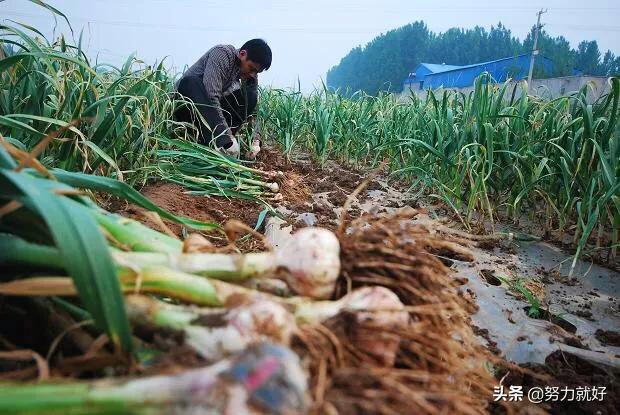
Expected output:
(484, 333)
(29, 325)
(542, 314)
(489, 276)
(608, 337)
(219, 210)
(315, 176)
(565, 370)
(302, 178)
(174, 198)
(338, 183)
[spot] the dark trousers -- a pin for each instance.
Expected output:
(236, 107)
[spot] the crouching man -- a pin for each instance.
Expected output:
(223, 86)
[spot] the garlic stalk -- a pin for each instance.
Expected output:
(262, 379)
(309, 263)
(378, 318)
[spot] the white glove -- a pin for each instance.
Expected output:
(233, 150)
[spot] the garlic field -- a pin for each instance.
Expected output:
(344, 271)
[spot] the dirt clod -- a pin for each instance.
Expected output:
(608, 337)
(563, 370)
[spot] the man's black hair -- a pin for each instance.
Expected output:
(258, 51)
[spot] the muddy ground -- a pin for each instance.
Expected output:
(580, 313)
(312, 195)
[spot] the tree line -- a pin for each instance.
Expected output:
(385, 62)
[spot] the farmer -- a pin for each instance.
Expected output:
(223, 86)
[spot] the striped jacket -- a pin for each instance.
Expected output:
(219, 69)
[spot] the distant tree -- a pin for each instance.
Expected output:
(613, 67)
(500, 43)
(557, 49)
(384, 62)
(588, 58)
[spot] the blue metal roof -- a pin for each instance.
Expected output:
(515, 67)
(424, 69)
(493, 61)
(435, 67)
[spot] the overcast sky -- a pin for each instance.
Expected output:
(307, 37)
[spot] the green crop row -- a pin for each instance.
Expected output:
(496, 152)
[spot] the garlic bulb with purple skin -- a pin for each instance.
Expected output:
(263, 378)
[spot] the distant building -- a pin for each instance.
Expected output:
(430, 76)
(434, 76)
